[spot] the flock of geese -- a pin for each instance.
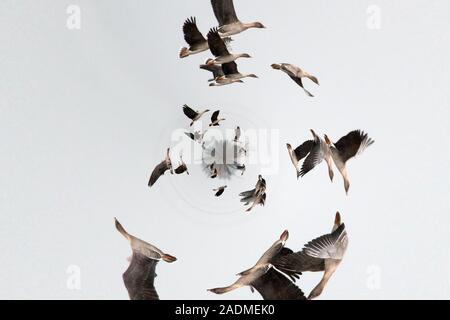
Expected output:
(274, 275)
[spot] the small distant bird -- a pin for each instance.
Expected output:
(296, 74)
(140, 276)
(319, 152)
(160, 169)
(255, 197)
(229, 23)
(219, 191)
(196, 136)
(182, 168)
(237, 134)
(194, 38)
(241, 167)
(322, 254)
(346, 148)
(193, 115)
(269, 282)
(215, 120)
(220, 51)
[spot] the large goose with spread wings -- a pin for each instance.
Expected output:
(321, 254)
(269, 282)
(140, 276)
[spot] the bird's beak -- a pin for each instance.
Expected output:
(327, 140)
(284, 236)
(337, 219)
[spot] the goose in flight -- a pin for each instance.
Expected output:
(296, 74)
(194, 38)
(315, 151)
(346, 148)
(270, 283)
(255, 197)
(215, 120)
(160, 169)
(196, 136)
(220, 51)
(219, 191)
(226, 73)
(193, 115)
(182, 168)
(322, 254)
(229, 23)
(140, 276)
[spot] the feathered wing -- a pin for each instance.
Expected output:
(353, 144)
(215, 116)
(327, 246)
(275, 286)
(159, 170)
(304, 149)
(298, 80)
(192, 35)
(230, 68)
(298, 262)
(139, 278)
(224, 11)
(314, 158)
(216, 44)
(189, 112)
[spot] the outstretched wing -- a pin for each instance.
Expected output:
(139, 278)
(192, 35)
(189, 112)
(215, 116)
(159, 170)
(303, 150)
(352, 144)
(275, 286)
(216, 44)
(224, 11)
(230, 68)
(327, 246)
(312, 160)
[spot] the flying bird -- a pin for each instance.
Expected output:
(319, 151)
(220, 51)
(161, 169)
(215, 120)
(296, 74)
(346, 148)
(182, 168)
(219, 191)
(140, 276)
(229, 23)
(193, 115)
(196, 136)
(255, 197)
(194, 38)
(213, 171)
(322, 254)
(269, 282)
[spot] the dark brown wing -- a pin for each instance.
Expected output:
(230, 68)
(216, 45)
(181, 169)
(224, 11)
(303, 150)
(215, 116)
(352, 144)
(139, 278)
(298, 262)
(159, 170)
(189, 112)
(192, 35)
(314, 158)
(215, 69)
(220, 192)
(275, 286)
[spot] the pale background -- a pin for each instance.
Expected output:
(86, 114)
